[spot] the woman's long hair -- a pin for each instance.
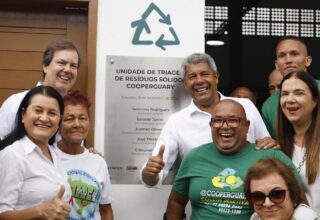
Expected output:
(19, 130)
(286, 132)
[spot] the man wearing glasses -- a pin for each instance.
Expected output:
(189, 127)
(212, 176)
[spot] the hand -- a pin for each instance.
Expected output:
(155, 164)
(56, 209)
(94, 151)
(267, 142)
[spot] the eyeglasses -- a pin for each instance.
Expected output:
(232, 122)
(276, 196)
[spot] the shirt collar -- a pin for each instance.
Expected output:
(28, 145)
(192, 108)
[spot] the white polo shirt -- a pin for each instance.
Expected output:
(28, 178)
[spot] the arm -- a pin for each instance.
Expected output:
(156, 169)
(106, 212)
(269, 113)
(176, 206)
(55, 209)
(8, 113)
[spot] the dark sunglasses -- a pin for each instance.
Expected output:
(277, 196)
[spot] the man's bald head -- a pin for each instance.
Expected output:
(244, 92)
(274, 81)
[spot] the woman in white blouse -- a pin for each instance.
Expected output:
(298, 129)
(33, 184)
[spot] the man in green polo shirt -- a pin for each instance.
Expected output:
(211, 176)
(291, 56)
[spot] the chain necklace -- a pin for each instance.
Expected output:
(301, 163)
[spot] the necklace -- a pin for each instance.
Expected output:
(301, 163)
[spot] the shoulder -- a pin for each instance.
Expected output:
(200, 150)
(271, 100)
(95, 158)
(15, 99)
(12, 153)
(276, 153)
(181, 112)
(303, 211)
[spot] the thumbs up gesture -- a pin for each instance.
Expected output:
(155, 164)
(56, 209)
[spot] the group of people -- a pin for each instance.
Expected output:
(235, 163)
(45, 171)
(215, 174)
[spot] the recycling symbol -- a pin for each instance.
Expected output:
(142, 25)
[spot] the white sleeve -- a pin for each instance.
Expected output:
(169, 139)
(11, 180)
(8, 113)
(106, 194)
(257, 127)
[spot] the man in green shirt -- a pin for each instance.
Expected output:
(291, 56)
(211, 176)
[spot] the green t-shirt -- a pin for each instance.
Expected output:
(213, 182)
(269, 112)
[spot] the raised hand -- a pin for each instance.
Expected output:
(153, 167)
(56, 209)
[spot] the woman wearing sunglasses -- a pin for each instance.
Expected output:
(273, 191)
(298, 129)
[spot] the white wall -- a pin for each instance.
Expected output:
(137, 201)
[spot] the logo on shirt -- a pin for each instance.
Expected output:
(85, 194)
(227, 179)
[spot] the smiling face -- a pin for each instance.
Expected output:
(291, 56)
(75, 124)
(201, 83)
(296, 101)
(41, 119)
(269, 210)
(230, 140)
(62, 71)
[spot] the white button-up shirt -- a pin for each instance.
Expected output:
(28, 178)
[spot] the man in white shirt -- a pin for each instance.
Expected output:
(189, 127)
(60, 65)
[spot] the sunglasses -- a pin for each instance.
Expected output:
(276, 196)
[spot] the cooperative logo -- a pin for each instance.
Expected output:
(141, 25)
(227, 179)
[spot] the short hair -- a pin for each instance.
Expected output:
(285, 130)
(292, 38)
(19, 130)
(75, 97)
(196, 58)
(62, 44)
(266, 166)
